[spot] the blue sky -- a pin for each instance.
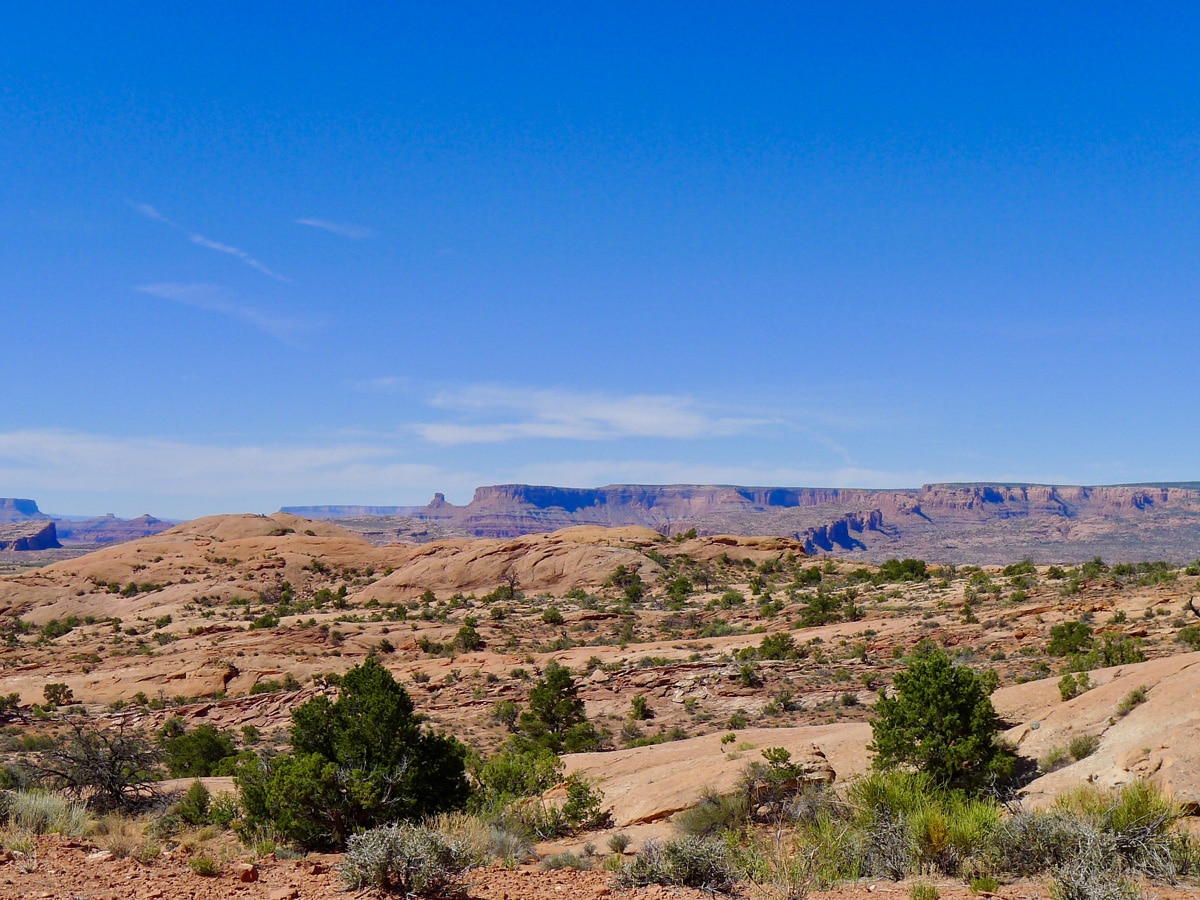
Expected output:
(255, 255)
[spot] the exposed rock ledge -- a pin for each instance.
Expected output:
(28, 536)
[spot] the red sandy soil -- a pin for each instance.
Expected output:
(64, 870)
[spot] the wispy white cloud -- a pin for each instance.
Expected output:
(493, 414)
(39, 461)
(213, 299)
(200, 240)
(341, 229)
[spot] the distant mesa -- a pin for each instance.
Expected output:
(13, 509)
(979, 523)
(111, 530)
(24, 514)
(33, 535)
(350, 512)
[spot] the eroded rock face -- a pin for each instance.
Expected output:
(976, 523)
(28, 536)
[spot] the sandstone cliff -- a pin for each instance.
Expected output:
(13, 509)
(28, 536)
(982, 523)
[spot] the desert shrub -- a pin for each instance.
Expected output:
(1092, 839)
(1189, 635)
(1113, 650)
(193, 807)
(618, 843)
(1132, 700)
(125, 837)
(471, 834)
(552, 615)
(902, 570)
(639, 709)
(948, 836)
(1068, 638)
(923, 890)
(1137, 808)
(984, 884)
(714, 814)
(1119, 650)
(748, 675)
(687, 861)
(205, 866)
(42, 812)
(778, 865)
(1027, 843)
(467, 639)
(775, 788)
(513, 773)
(563, 860)
(223, 809)
(940, 720)
(582, 809)
(197, 753)
(1054, 758)
(1083, 746)
(1081, 878)
(778, 646)
(506, 712)
(555, 718)
(910, 825)
(728, 600)
(409, 859)
(109, 768)
(509, 847)
(356, 762)
(1073, 684)
(57, 694)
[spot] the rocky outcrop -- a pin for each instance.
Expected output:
(28, 536)
(841, 534)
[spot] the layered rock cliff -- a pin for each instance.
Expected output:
(949, 522)
(25, 536)
(14, 509)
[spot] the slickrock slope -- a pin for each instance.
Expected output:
(648, 784)
(1158, 739)
(583, 556)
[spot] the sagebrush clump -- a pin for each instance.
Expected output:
(410, 859)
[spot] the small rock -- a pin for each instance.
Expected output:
(100, 856)
(246, 872)
(287, 893)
